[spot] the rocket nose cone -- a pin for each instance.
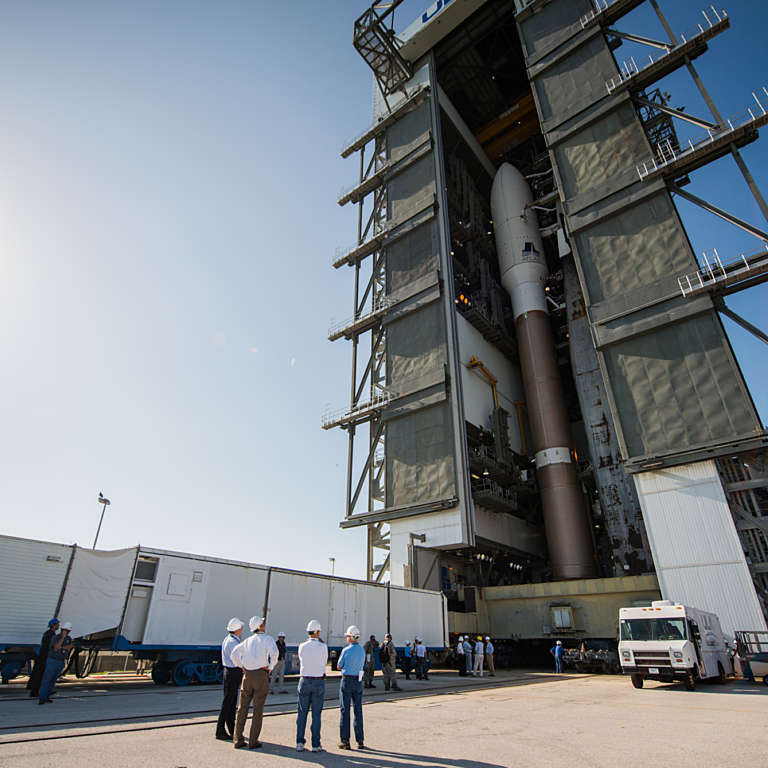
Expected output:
(510, 192)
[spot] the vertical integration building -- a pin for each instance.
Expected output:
(542, 391)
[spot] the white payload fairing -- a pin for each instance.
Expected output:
(523, 274)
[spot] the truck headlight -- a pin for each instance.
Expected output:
(678, 655)
(625, 655)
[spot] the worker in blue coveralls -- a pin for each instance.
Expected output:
(61, 645)
(557, 651)
(351, 664)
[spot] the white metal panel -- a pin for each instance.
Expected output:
(294, 599)
(417, 613)
(193, 599)
(696, 549)
(96, 590)
(31, 577)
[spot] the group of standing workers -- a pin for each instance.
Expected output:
(247, 667)
(414, 652)
(470, 658)
(55, 646)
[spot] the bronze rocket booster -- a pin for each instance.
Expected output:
(523, 272)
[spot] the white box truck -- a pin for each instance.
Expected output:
(667, 641)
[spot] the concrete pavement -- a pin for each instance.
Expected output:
(531, 720)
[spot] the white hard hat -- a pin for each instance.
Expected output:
(67, 625)
(314, 626)
(559, 642)
(461, 638)
(234, 624)
(281, 634)
(255, 622)
(488, 639)
(352, 631)
(418, 639)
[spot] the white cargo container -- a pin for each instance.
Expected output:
(173, 607)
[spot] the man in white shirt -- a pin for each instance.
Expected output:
(479, 653)
(233, 676)
(313, 657)
(257, 657)
(421, 660)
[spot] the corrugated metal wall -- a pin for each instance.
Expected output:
(698, 555)
(31, 577)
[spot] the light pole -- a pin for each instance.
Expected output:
(333, 565)
(105, 502)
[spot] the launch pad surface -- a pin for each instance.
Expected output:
(525, 719)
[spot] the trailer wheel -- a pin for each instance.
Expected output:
(722, 678)
(161, 673)
(690, 682)
(637, 681)
(183, 672)
(765, 680)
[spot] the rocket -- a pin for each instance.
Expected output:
(523, 273)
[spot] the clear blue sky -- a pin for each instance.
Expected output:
(168, 183)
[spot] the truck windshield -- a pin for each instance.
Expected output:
(653, 629)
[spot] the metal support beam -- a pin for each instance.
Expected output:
(640, 39)
(729, 217)
(745, 324)
(674, 112)
(753, 188)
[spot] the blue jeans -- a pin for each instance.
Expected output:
(53, 669)
(351, 693)
(558, 664)
(311, 696)
(468, 657)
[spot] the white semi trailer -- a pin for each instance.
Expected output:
(172, 607)
(668, 641)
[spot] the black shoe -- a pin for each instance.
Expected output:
(49, 701)
(241, 745)
(33, 695)
(40, 703)
(223, 737)
(360, 745)
(255, 745)
(344, 745)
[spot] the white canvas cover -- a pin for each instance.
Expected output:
(95, 593)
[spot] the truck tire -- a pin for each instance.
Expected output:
(765, 680)
(161, 673)
(721, 678)
(637, 681)
(690, 682)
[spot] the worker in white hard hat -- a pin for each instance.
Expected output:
(61, 645)
(460, 663)
(489, 649)
(351, 663)
(558, 651)
(422, 667)
(467, 656)
(278, 673)
(233, 676)
(313, 657)
(257, 657)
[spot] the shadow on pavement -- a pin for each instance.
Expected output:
(375, 758)
(732, 688)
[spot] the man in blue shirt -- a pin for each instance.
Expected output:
(61, 645)
(557, 651)
(351, 664)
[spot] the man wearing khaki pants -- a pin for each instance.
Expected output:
(256, 656)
